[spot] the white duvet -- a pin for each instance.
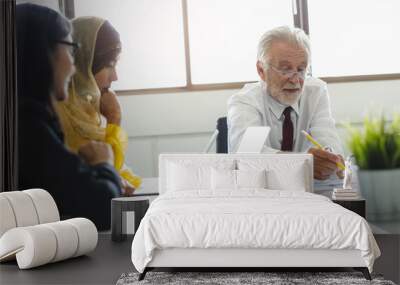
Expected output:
(253, 218)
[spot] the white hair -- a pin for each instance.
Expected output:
(285, 34)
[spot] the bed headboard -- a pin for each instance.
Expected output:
(285, 165)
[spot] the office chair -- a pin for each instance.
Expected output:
(222, 138)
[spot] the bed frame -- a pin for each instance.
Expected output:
(246, 259)
(240, 259)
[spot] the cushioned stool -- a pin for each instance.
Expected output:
(31, 231)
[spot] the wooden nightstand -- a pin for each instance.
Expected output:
(357, 206)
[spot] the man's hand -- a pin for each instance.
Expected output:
(110, 107)
(340, 173)
(325, 163)
(96, 152)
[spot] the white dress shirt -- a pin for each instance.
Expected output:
(252, 106)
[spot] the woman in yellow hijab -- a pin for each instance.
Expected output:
(90, 96)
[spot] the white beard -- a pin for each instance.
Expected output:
(288, 99)
(285, 98)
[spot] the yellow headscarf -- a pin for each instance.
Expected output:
(80, 114)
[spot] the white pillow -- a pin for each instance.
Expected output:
(295, 180)
(237, 179)
(251, 178)
(223, 179)
(281, 174)
(190, 174)
(185, 177)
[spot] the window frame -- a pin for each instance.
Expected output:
(300, 19)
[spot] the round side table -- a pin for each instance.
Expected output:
(126, 214)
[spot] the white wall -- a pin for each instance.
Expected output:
(184, 122)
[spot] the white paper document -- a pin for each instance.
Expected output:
(253, 140)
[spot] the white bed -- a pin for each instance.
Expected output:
(202, 220)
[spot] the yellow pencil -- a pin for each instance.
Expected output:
(318, 145)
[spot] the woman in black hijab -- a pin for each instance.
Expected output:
(81, 185)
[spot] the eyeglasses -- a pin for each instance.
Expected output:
(289, 73)
(74, 46)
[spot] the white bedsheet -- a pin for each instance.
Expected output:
(252, 218)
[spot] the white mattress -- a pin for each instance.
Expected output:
(253, 218)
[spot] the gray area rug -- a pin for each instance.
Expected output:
(229, 278)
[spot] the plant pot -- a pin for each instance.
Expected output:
(381, 190)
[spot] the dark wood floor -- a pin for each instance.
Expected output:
(103, 266)
(106, 264)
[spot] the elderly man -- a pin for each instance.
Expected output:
(287, 101)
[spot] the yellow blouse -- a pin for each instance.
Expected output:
(117, 138)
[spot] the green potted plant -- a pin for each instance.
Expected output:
(376, 149)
